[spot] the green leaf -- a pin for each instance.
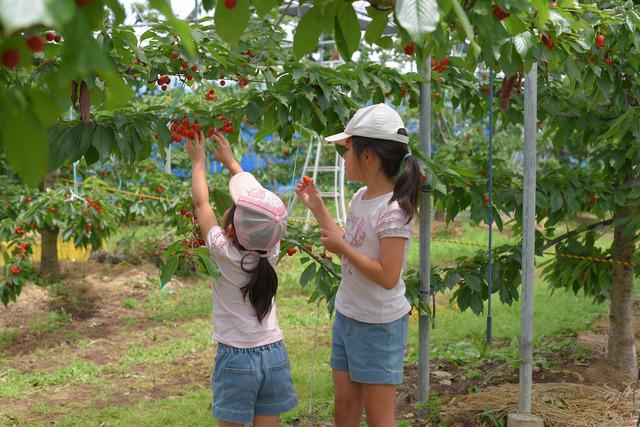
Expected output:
(265, 6)
(418, 17)
(205, 258)
(207, 5)
(468, 28)
(376, 26)
(117, 10)
(305, 39)
(167, 270)
(514, 25)
(91, 156)
(231, 23)
(523, 43)
(83, 143)
(181, 27)
(307, 274)
(542, 7)
(25, 144)
(117, 93)
(103, 141)
(510, 60)
(347, 30)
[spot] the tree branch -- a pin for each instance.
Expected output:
(575, 232)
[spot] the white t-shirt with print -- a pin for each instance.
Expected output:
(234, 319)
(368, 222)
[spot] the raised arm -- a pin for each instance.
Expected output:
(199, 187)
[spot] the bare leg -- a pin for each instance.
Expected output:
(348, 400)
(380, 404)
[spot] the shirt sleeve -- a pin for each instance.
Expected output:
(217, 242)
(392, 222)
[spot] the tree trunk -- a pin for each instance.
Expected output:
(49, 262)
(621, 345)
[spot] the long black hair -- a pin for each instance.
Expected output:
(392, 155)
(263, 280)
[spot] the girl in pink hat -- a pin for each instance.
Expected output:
(251, 377)
(371, 322)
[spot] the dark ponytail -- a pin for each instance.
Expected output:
(392, 156)
(263, 280)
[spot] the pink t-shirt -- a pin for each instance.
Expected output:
(368, 222)
(234, 320)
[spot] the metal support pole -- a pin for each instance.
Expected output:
(425, 237)
(528, 240)
(167, 163)
(490, 255)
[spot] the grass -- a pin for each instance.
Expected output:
(18, 384)
(49, 322)
(182, 328)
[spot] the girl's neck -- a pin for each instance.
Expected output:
(377, 186)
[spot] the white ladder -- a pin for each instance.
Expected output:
(338, 178)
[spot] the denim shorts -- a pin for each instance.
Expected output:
(372, 353)
(252, 381)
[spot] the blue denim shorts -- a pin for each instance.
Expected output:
(252, 381)
(372, 353)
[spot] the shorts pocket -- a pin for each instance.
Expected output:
(281, 381)
(239, 382)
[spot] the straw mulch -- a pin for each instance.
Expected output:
(559, 404)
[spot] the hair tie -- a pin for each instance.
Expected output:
(406, 156)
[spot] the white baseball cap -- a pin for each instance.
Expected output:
(260, 219)
(375, 121)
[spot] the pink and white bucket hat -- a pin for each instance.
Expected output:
(261, 217)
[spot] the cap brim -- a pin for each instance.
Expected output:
(240, 183)
(337, 138)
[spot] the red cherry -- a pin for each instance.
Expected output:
(175, 54)
(11, 58)
(177, 138)
(163, 87)
(444, 63)
(553, 4)
(36, 43)
(196, 127)
(57, 38)
(230, 4)
(50, 36)
(608, 61)
(438, 95)
(189, 77)
(222, 82)
(410, 48)
(306, 179)
(28, 199)
(243, 83)
(184, 65)
(194, 68)
(599, 41)
(15, 270)
(499, 13)
(547, 41)
(88, 226)
(52, 209)
(159, 189)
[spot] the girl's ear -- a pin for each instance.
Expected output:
(231, 231)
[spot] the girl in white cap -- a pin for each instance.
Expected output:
(371, 322)
(252, 377)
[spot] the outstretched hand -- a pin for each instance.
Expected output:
(308, 193)
(222, 150)
(195, 148)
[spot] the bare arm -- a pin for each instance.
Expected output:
(385, 272)
(199, 187)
